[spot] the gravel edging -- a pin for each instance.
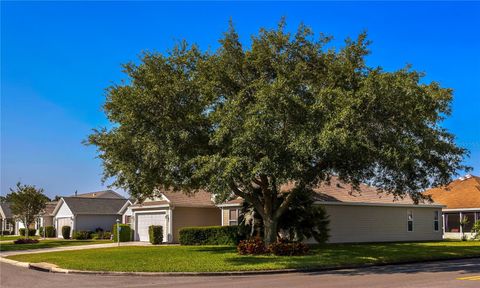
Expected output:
(51, 268)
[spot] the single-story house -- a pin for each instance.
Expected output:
(461, 198)
(173, 211)
(365, 215)
(45, 218)
(89, 211)
(8, 222)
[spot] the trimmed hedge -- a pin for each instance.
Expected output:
(6, 232)
(125, 233)
(155, 233)
(82, 235)
(49, 231)
(66, 232)
(31, 231)
(212, 235)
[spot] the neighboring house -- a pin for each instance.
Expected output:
(365, 216)
(173, 211)
(462, 200)
(45, 218)
(89, 211)
(8, 222)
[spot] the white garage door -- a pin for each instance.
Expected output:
(63, 222)
(147, 219)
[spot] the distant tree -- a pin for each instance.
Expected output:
(284, 109)
(57, 198)
(26, 202)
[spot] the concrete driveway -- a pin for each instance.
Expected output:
(451, 274)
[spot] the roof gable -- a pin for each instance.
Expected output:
(5, 210)
(461, 193)
(110, 194)
(82, 205)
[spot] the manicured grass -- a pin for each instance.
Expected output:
(48, 243)
(225, 258)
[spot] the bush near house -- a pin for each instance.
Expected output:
(25, 241)
(82, 235)
(66, 232)
(284, 247)
(31, 231)
(102, 235)
(155, 233)
(125, 233)
(6, 232)
(254, 246)
(211, 235)
(49, 231)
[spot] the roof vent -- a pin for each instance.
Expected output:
(468, 176)
(461, 178)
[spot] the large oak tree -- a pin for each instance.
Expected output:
(246, 120)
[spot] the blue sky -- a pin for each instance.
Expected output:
(57, 58)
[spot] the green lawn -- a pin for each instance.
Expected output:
(48, 243)
(225, 258)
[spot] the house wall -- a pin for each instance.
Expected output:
(191, 217)
(47, 220)
(380, 224)
(92, 222)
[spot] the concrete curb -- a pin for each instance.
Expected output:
(51, 268)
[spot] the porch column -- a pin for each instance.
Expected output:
(461, 228)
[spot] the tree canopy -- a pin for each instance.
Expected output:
(286, 109)
(26, 202)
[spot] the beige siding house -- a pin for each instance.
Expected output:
(366, 215)
(173, 211)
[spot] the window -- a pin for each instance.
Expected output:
(233, 217)
(452, 222)
(128, 219)
(470, 221)
(436, 216)
(409, 220)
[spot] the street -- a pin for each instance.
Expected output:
(456, 273)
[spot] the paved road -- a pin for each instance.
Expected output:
(435, 274)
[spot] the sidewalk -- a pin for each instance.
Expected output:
(69, 248)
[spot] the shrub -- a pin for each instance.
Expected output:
(102, 235)
(6, 232)
(476, 230)
(253, 246)
(66, 232)
(31, 231)
(155, 233)
(82, 235)
(25, 241)
(286, 248)
(213, 235)
(125, 233)
(49, 231)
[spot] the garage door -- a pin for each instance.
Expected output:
(63, 222)
(147, 219)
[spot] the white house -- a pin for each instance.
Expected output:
(89, 211)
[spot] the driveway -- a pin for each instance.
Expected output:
(435, 274)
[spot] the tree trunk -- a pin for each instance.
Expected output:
(270, 230)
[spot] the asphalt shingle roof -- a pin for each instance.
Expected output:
(82, 205)
(458, 194)
(6, 210)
